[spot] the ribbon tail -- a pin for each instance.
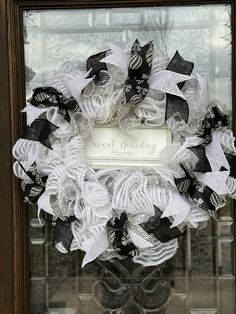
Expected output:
(40, 130)
(176, 106)
(77, 84)
(94, 246)
(118, 57)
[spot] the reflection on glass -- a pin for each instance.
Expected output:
(200, 278)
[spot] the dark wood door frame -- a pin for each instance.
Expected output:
(14, 258)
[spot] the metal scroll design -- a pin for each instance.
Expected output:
(131, 288)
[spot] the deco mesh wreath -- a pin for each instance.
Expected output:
(115, 213)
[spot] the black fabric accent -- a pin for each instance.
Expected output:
(185, 184)
(220, 119)
(99, 69)
(213, 120)
(48, 96)
(231, 160)
(161, 227)
(181, 66)
(140, 64)
(199, 194)
(63, 233)
(175, 104)
(40, 130)
(120, 239)
(32, 191)
(203, 164)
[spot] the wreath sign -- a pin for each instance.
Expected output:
(116, 213)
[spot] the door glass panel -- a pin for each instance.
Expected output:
(200, 278)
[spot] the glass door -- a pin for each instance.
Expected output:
(200, 278)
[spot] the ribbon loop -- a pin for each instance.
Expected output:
(139, 69)
(199, 194)
(48, 96)
(40, 130)
(161, 227)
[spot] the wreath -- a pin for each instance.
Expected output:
(119, 213)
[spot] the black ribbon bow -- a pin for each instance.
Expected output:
(176, 104)
(50, 97)
(161, 227)
(63, 233)
(32, 191)
(199, 194)
(117, 232)
(213, 120)
(98, 68)
(39, 130)
(140, 64)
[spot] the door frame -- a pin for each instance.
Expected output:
(14, 234)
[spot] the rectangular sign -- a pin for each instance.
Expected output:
(111, 147)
